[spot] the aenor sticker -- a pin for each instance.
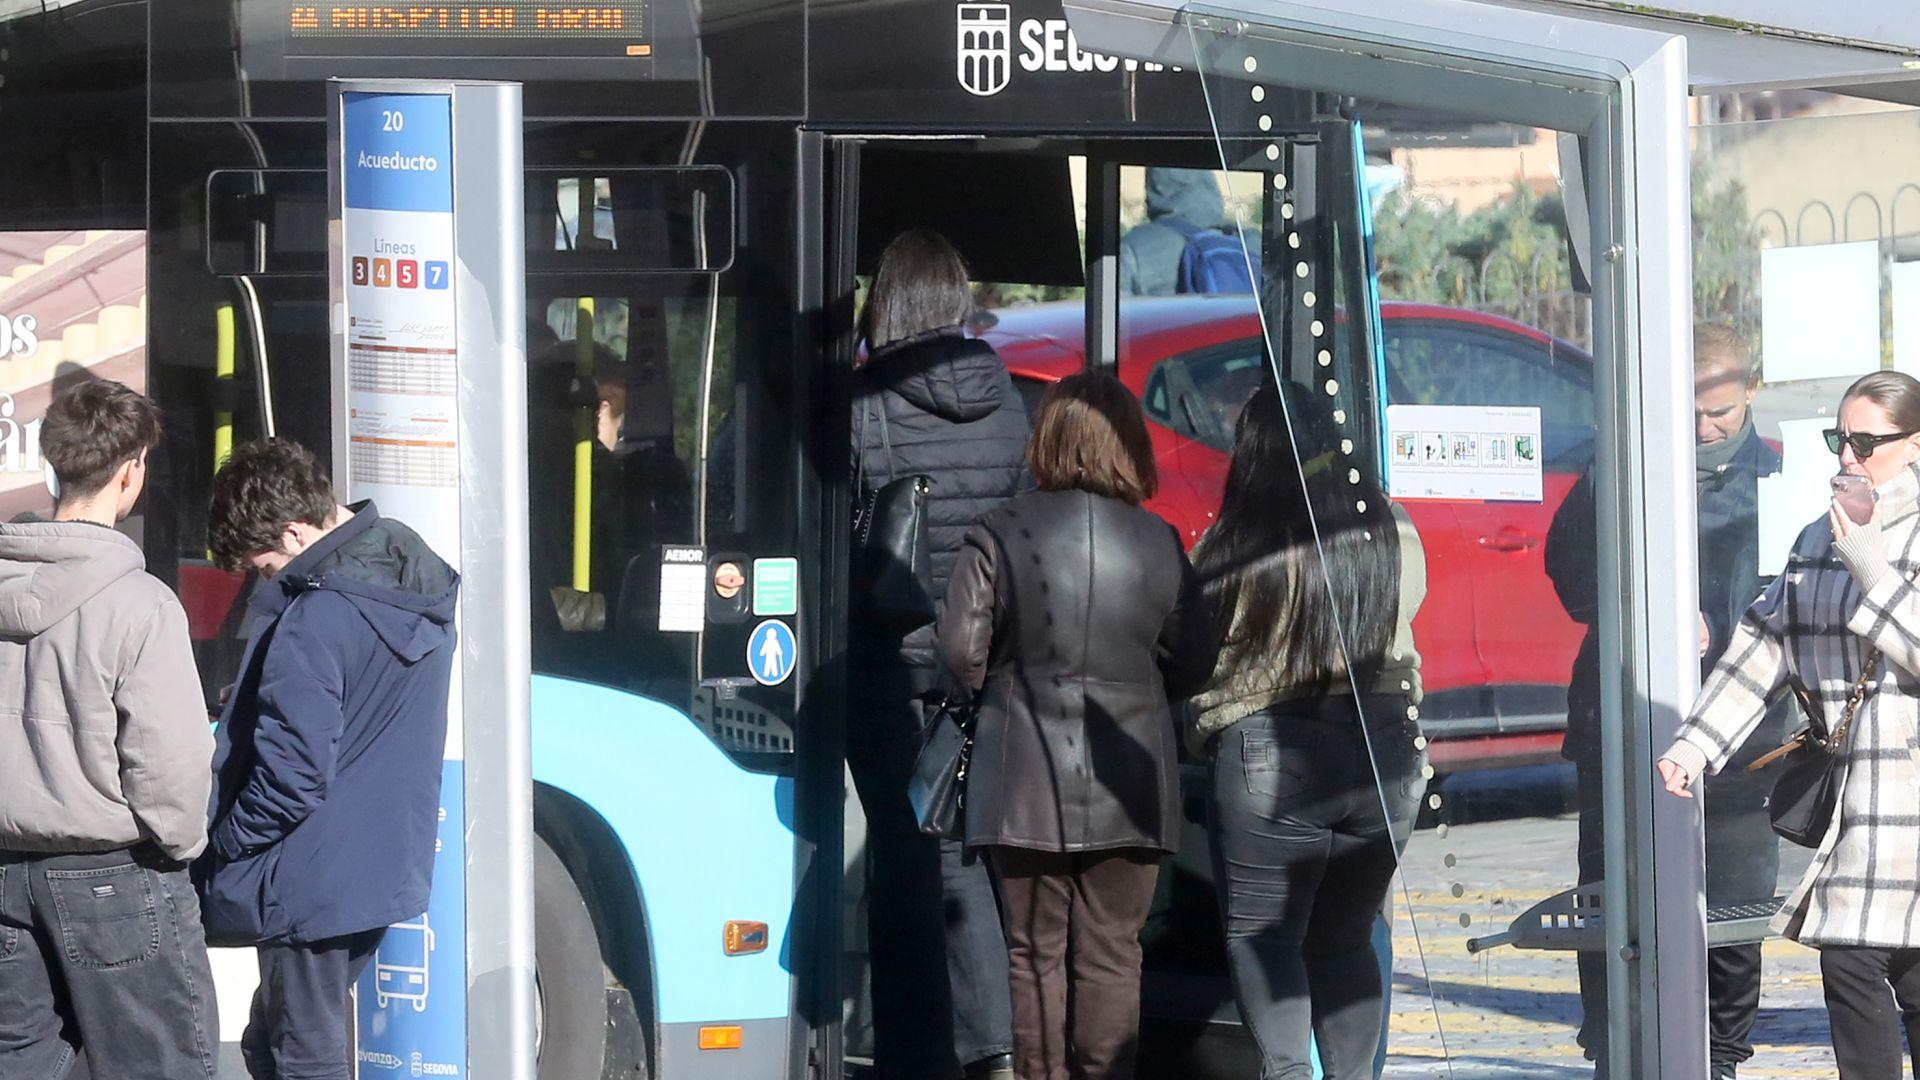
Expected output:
(683, 589)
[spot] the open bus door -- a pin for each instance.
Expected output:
(1039, 220)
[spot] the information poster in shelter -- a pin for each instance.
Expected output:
(1820, 311)
(1799, 494)
(72, 306)
(1478, 452)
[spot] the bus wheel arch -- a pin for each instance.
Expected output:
(586, 899)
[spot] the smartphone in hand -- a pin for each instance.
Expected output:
(1855, 497)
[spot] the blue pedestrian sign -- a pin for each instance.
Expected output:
(771, 653)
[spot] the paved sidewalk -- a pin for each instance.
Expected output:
(1510, 1013)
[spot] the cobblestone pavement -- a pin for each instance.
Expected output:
(1508, 1013)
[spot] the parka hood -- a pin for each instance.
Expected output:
(942, 372)
(402, 588)
(49, 568)
(1192, 195)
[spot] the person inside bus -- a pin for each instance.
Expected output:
(1743, 856)
(640, 494)
(1842, 625)
(929, 400)
(1075, 614)
(1311, 722)
(1180, 203)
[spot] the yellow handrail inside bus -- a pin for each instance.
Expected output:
(224, 346)
(584, 425)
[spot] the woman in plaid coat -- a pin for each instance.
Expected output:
(1846, 612)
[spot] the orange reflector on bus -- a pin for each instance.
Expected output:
(720, 1038)
(743, 937)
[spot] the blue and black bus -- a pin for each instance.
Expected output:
(707, 186)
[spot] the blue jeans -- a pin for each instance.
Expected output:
(103, 953)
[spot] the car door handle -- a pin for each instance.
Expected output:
(1510, 540)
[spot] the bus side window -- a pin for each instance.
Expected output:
(626, 422)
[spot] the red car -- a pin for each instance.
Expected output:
(1496, 647)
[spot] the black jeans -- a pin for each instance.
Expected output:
(1872, 994)
(301, 1026)
(103, 953)
(940, 991)
(1304, 848)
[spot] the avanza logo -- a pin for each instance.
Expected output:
(985, 56)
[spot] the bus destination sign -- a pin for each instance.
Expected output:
(523, 40)
(431, 28)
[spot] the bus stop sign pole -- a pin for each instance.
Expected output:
(427, 299)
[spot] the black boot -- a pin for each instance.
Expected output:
(997, 1067)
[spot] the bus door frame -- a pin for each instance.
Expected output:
(1623, 91)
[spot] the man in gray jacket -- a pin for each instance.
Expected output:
(105, 773)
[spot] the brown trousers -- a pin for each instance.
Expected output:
(1073, 940)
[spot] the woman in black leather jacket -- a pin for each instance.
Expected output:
(928, 401)
(1075, 614)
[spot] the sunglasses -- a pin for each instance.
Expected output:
(1863, 443)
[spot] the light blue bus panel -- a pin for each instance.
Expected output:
(708, 841)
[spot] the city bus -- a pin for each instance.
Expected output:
(707, 188)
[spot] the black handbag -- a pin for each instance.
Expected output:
(892, 559)
(938, 787)
(1807, 792)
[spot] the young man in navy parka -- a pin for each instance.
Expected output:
(328, 759)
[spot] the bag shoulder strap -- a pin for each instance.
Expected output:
(886, 439)
(1837, 741)
(860, 451)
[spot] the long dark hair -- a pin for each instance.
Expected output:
(1310, 604)
(921, 285)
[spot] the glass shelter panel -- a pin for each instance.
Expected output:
(1801, 287)
(1411, 542)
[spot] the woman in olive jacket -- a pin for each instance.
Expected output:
(1075, 614)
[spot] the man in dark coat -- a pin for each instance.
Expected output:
(1743, 856)
(328, 763)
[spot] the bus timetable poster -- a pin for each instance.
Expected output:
(402, 358)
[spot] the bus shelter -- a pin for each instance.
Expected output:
(1617, 88)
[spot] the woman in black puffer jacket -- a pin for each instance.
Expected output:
(931, 401)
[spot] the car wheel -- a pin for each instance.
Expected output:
(570, 988)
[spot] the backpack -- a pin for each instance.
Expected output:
(1213, 262)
